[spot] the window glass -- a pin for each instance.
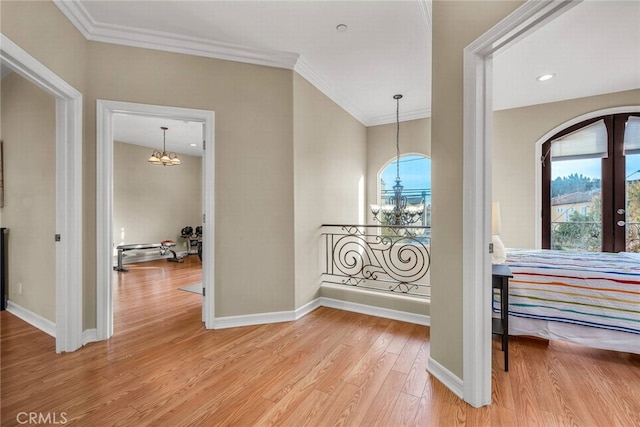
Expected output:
(576, 195)
(632, 221)
(415, 175)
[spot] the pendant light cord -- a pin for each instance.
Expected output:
(164, 140)
(397, 97)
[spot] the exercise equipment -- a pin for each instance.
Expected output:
(164, 247)
(192, 237)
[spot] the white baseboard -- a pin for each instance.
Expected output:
(253, 319)
(45, 325)
(446, 377)
(307, 308)
(89, 335)
(387, 313)
(289, 316)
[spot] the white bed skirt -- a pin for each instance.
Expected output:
(577, 334)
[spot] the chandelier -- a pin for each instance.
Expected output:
(397, 211)
(164, 158)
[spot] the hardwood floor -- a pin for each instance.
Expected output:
(330, 368)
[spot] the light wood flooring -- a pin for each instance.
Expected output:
(330, 368)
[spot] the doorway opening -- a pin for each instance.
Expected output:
(68, 122)
(157, 212)
(477, 195)
(109, 112)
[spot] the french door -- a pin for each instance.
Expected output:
(591, 186)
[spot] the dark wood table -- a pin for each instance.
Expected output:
(500, 275)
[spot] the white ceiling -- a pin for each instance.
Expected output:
(593, 48)
(145, 131)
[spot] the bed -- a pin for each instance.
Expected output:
(591, 299)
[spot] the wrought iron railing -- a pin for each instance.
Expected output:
(380, 257)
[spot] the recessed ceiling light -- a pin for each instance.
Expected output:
(341, 28)
(193, 145)
(545, 77)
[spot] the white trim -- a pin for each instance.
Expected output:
(307, 308)
(446, 377)
(476, 285)
(35, 320)
(426, 13)
(68, 190)
(89, 335)
(169, 42)
(104, 203)
(309, 74)
(254, 319)
(370, 310)
(95, 31)
(538, 156)
(422, 113)
(312, 76)
(290, 316)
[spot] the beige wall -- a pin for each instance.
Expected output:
(455, 25)
(153, 203)
(254, 269)
(28, 132)
(515, 133)
(415, 137)
(254, 160)
(330, 167)
(44, 32)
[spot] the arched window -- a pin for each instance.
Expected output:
(591, 186)
(415, 175)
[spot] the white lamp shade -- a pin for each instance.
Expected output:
(496, 222)
(499, 254)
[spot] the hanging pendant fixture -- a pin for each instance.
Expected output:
(397, 211)
(164, 158)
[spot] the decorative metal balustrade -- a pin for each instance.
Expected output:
(384, 258)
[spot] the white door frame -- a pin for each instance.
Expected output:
(68, 190)
(478, 111)
(104, 198)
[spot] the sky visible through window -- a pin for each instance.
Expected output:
(591, 168)
(415, 174)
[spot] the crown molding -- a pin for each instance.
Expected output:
(425, 11)
(169, 42)
(309, 74)
(78, 15)
(421, 113)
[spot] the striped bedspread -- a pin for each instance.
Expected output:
(591, 289)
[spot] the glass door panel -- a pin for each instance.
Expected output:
(576, 204)
(632, 214)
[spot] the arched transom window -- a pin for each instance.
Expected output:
(415, 175)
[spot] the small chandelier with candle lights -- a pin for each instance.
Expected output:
(164, 158)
